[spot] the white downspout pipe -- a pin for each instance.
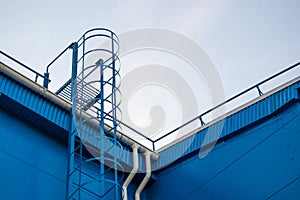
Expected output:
(147, 176)
(132, 173)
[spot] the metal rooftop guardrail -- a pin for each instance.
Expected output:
(199, 117)
(37, 75)
(65, 91)
(256, 86)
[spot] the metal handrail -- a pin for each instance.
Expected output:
(26, 67)
(199, 117)
(153, 142)
(46, 74)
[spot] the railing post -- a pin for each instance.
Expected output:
(201, 120)
(47, 74)
(259, 91)
(46, 80)
(74, 46)
(72, 128)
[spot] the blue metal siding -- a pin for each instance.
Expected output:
(34, 102)
(33, 166)
(32, 163)
(60, 117)
(260, 163)
(43, 107)
(232, 123)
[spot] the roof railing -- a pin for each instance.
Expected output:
(199, 117)
(37, 75)
(47, 74)
(153, 142)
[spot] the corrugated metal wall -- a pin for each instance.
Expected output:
(35, 102)
(33, 166)
(60, 116)
(262, 162)
(231, 124)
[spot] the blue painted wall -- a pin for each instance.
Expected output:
(260, 163)
(32, 165)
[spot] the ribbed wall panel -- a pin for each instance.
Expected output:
(232, 123)
(60, 116)
(34, 102)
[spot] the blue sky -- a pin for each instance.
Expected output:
(247, 40)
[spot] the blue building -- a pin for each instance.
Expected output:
(53, 149)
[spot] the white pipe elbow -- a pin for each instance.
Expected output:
(147, 176)
(132, 173)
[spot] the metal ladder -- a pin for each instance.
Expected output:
(94, 152)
